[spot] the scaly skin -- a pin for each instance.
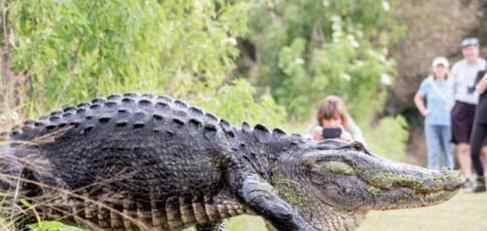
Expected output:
(141, 162)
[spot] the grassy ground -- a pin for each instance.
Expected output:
(465, 212)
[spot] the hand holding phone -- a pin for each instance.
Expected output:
(331, 133)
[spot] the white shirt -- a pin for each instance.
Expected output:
(463, 78)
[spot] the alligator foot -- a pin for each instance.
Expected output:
(262, 199)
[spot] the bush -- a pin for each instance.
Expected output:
(75, 50)
(388, 138)
(309, 49)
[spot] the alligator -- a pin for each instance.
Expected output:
(143, 162)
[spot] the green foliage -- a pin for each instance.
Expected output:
(309, 49)
(74, 50)
(388, 138)
(239, 104)
(77, 49)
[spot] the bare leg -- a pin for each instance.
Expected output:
(464, 159)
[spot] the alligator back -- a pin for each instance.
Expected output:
(131, 159)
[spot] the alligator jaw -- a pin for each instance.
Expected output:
(352, 181)
(343, 185)
(393, 185)
(433, 187)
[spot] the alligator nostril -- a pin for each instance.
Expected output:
(460, 184)
(455, 181)
(455, 186)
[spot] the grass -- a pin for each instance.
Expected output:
(245, 223)
(464, 212)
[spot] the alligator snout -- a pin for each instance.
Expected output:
(456, 182)
(444, 180)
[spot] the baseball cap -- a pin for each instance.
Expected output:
(469, 42)
(440, 61)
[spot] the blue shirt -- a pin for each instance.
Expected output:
(439, 99)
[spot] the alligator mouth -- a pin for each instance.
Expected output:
(406, 197)
(407, 186)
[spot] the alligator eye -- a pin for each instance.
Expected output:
(336, 167)
(358, 146)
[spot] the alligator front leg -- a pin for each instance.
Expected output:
(211, 227)
(261, 198)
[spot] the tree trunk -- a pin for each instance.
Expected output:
(11, 84)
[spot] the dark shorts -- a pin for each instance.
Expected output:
(462, 116)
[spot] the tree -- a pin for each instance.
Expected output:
(308, 49)
(72, 50)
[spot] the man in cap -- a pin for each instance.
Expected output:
(463, 75)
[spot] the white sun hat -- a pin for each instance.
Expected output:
(440, 61)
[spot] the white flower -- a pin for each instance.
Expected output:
(385, 79)
(232, 41)
(326, 3)
(353, 41)
(346, 77)
(358, 63)
(299, 61)
(336, 36)
(335, 18)
(386, 5)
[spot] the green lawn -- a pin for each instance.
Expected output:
(465, 212)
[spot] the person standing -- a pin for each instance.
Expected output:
(478, 145)
(435, 90)
(463, 76)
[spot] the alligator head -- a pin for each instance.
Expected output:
(335, 188)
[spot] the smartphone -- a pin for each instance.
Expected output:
(331, 133)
